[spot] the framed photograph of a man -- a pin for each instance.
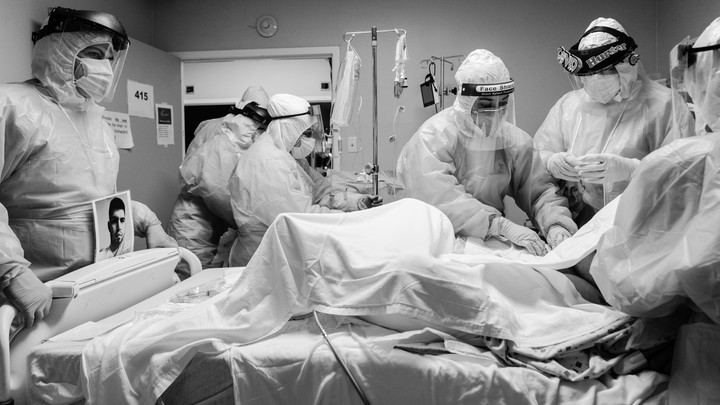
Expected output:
(114, 231)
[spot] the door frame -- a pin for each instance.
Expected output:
(331, 52)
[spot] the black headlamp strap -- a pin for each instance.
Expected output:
(253, 111)
(308, 112)
(703, 48)
(591, 61)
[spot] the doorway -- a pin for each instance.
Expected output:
(213, 81)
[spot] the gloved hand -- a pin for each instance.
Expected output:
(370, 201)
(30, 296)
(158, 238)
(556, 234)
(519, 235)
(562, 166)
(602, 168)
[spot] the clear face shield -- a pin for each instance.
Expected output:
(312, 136)
(595, 70)
(492, 106)
(99, 62)
(693, 72)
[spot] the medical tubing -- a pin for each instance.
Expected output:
(342, 363)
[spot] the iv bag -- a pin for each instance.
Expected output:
(346, 90)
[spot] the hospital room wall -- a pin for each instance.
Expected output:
(524, 33)
(678, 19)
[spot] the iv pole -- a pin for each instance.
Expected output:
(443, 60)
(375, 170)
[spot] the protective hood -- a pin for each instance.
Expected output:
(286, 131)
(481, 67)
(702, 79)
(254, 93)
(628, 70)
(53, 64)
(241, 129)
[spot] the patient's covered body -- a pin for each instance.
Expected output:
(400, 260)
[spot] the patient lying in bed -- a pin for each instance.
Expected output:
(397, 262)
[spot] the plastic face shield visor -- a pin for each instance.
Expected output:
(316, 129)
(104, 25)
(684, 76)
(490, 107)
(596, 60)
(684, 55)
(253, 111)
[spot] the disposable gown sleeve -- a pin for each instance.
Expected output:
(427, 170)
(327, 195)
(280, 191)
(535, 192)
(16, 149)
(195, 228)
(549, 139)
(663, 243)
(143, 218)
(684, 123)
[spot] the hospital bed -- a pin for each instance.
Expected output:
(88, 294)
(246, 351)
(296, 365)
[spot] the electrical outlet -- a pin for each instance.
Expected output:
(352, 144)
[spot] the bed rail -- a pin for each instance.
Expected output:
(87, 294)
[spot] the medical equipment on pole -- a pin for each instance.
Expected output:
(443, 91)
(373, 42)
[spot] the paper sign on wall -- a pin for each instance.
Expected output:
(141, 99)
(120, 124)
(165, 134)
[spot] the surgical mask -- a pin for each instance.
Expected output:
(98, 78)
(307, 146)
(489, 121)
(602, 88)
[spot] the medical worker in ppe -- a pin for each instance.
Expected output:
(594, 137)
(467, 158)
(58, 155)
(202, 214)
(662, 250)
(273, 177)
(207, 129)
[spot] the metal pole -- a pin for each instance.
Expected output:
(442, 83)
(375, 169)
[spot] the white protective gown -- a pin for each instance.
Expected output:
(631, 128)
(268, 182)
(443, 167)
(202, 211)
(663, 246)
(57, 155)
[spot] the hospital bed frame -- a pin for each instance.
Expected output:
(88, 294)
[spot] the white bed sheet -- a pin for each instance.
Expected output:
(297, 366)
